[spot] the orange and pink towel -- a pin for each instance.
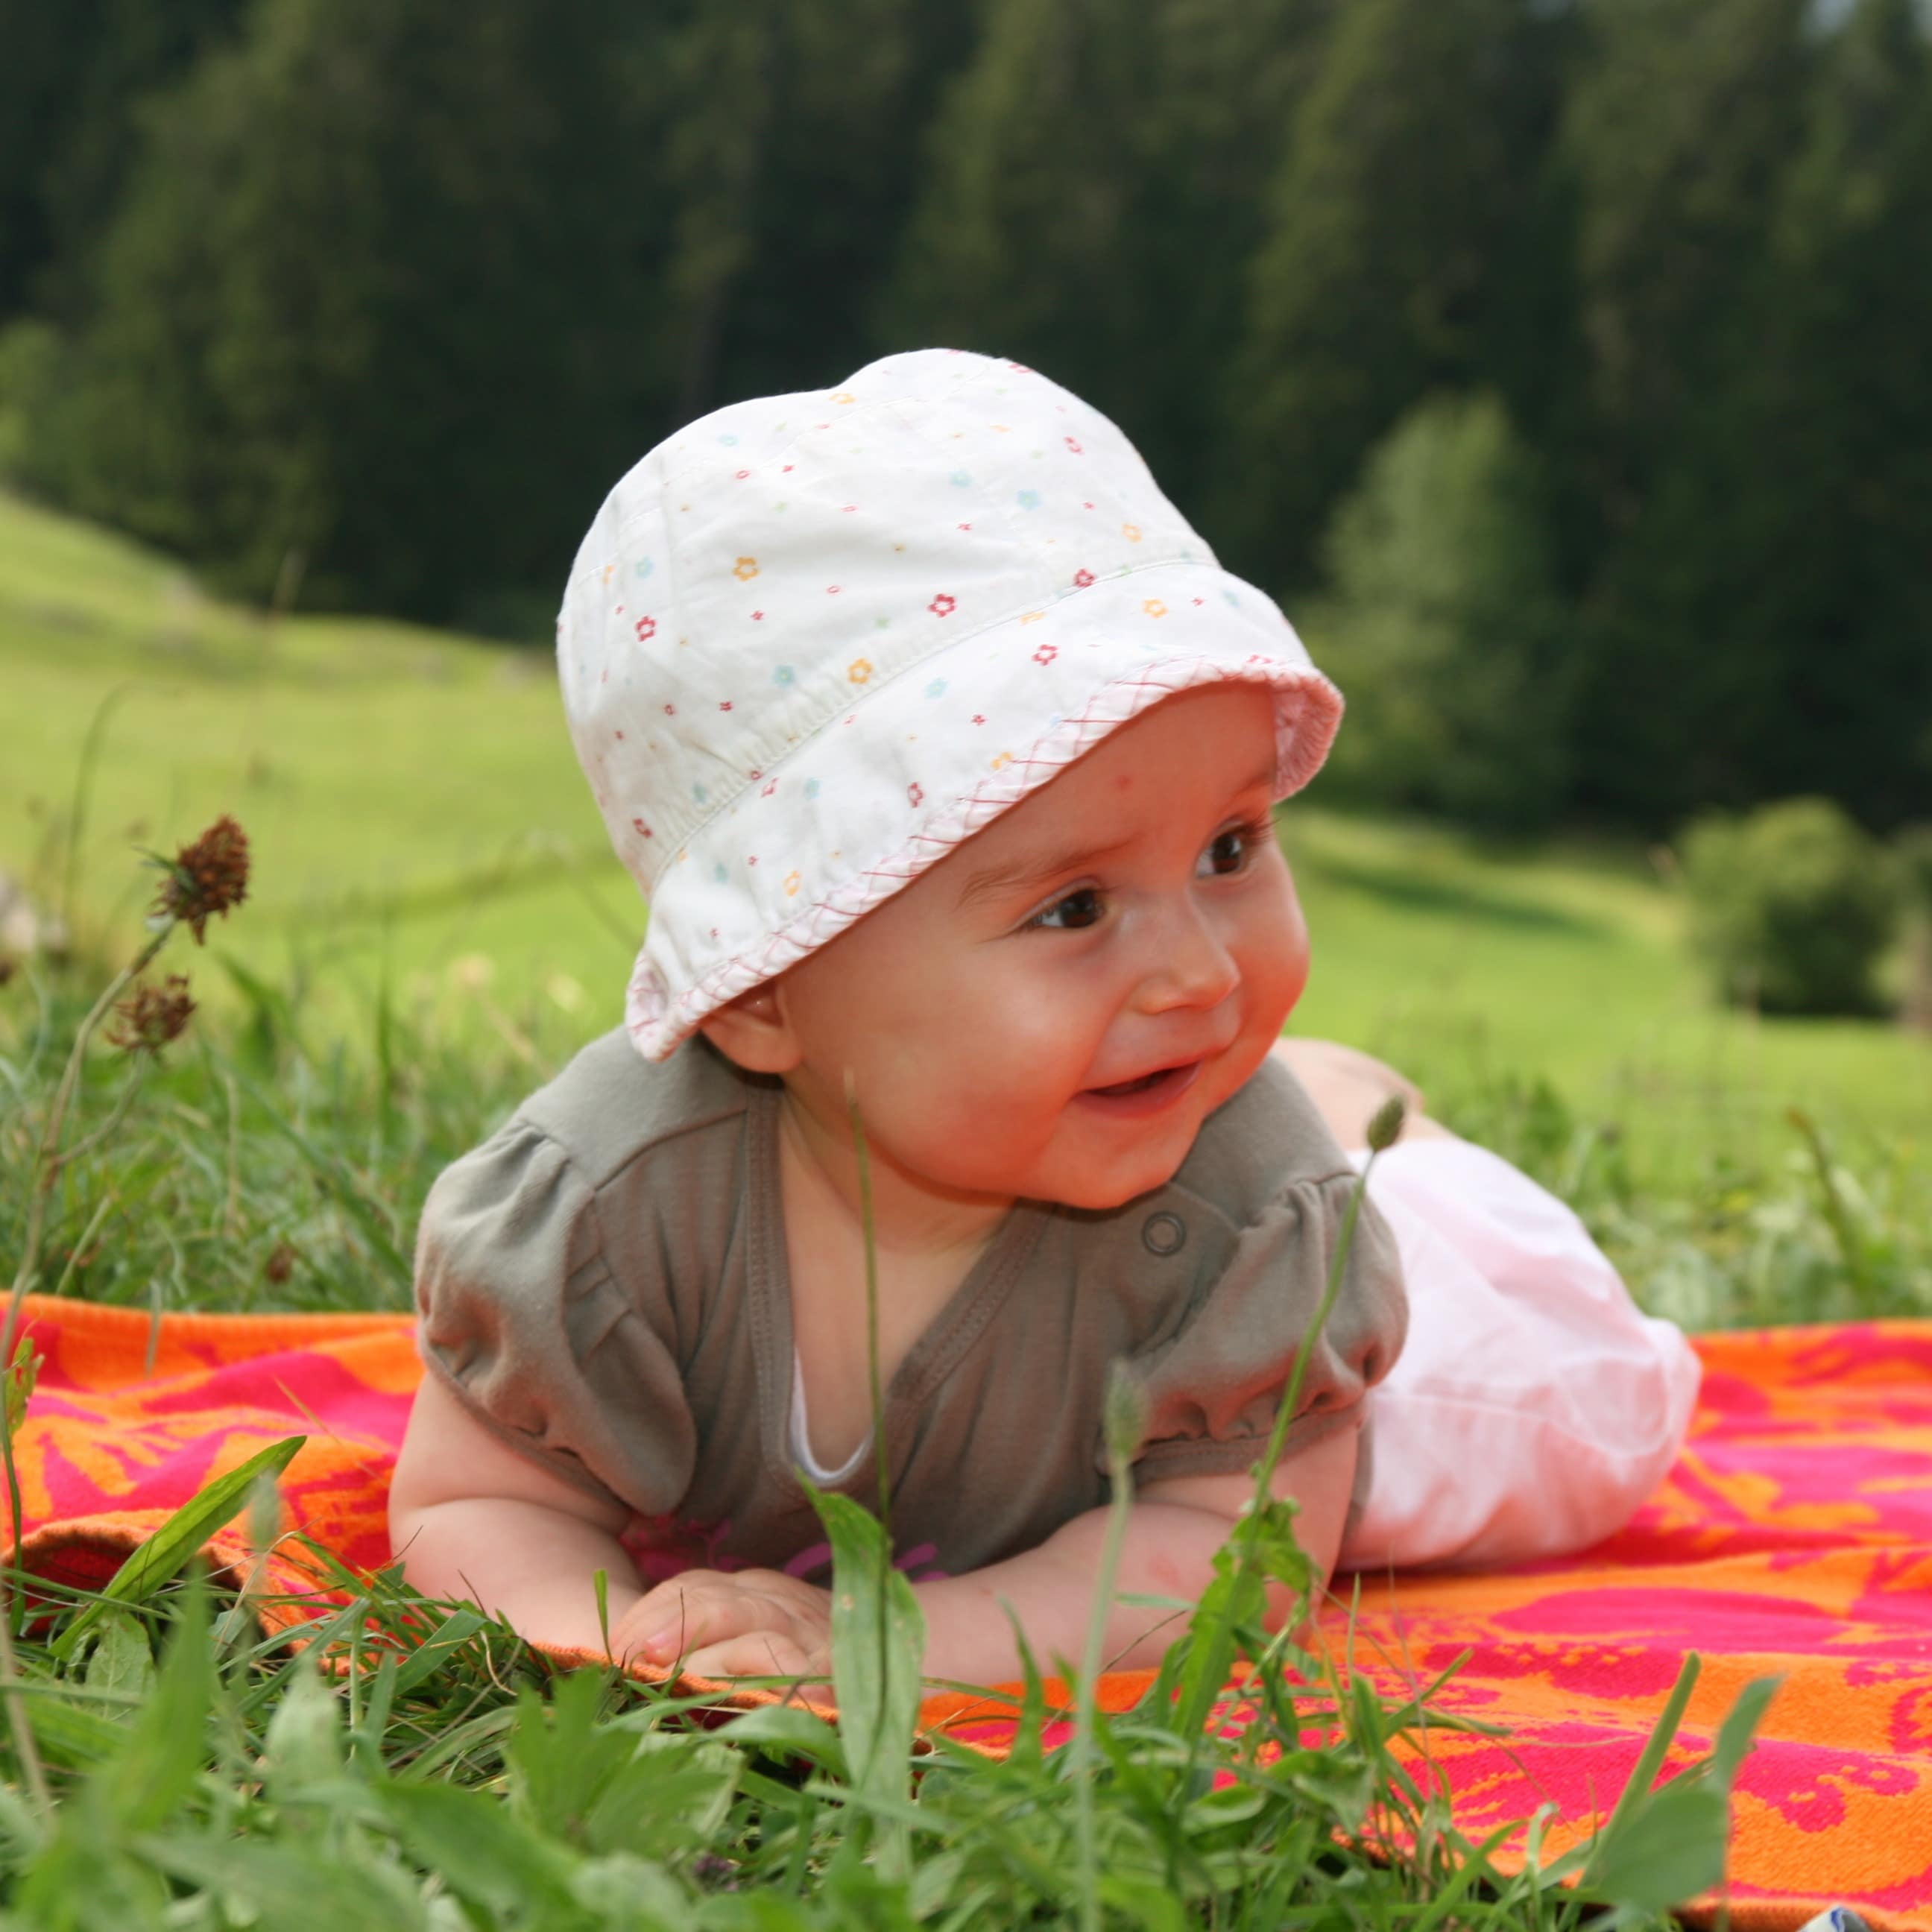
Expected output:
(1793, 1538)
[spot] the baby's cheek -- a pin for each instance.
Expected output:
(1274, 953)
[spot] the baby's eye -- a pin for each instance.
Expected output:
(1234, 849)
(1073, 913)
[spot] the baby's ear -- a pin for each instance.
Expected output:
(753, 1032)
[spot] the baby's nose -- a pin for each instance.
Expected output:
(1189, 964)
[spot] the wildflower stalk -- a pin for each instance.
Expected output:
(203, 880)
(48, 1159)
(26, 1746)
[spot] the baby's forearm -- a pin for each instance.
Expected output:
(1168, 1551)
(520, 1561)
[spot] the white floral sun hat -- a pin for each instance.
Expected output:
(813, 642)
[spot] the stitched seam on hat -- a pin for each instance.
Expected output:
(780, 756)
(681, 1013)
(799, 936)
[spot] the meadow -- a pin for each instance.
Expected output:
(418, 823)
(433, 922)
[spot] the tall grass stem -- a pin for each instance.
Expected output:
(875, 1379)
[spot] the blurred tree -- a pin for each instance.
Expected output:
(1444, 627)
(71, 82)
(1406, 173)
(1684, 115)
(1765, 410)
(1093, 187)
(846, 88)
(403, 289)
(1790, 907)
(393, 289)
(1913, 848)
(382, 297)
(1680, 119)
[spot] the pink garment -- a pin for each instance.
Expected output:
(1533, 1407)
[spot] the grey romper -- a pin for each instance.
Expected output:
(603, 1284)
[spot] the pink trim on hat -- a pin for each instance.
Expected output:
(1307, 712)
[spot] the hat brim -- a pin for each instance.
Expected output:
(1061, 678)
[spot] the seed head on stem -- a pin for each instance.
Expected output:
(205, 878)
(152, 1017)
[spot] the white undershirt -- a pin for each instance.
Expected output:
(801, 1436)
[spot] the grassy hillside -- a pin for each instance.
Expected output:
(417, 818)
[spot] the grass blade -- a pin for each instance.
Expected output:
(167, 1553)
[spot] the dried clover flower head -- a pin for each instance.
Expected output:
(206, 877)
(154, 1016)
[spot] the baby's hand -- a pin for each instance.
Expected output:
(751, 1623)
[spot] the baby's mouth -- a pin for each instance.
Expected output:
(1146, 1083)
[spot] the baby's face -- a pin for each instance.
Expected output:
(1133, 918)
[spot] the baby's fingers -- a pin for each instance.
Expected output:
(756, 1654)
(699, 1608)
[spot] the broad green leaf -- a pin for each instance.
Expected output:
(670, 1796)
(558, 1760)
(1148, 1903)
(168, 1552)
(1643, 1774)
(783, 1729)
(878, 1644)
(481, 1851)
(1738, 1733)
(1660, 1848)
(450, 1636)
(291, 1886)
(120, 1661)
(1663, 1853)
(631, 1894)
(164, 1754)
(22, 1831)
(303, 1747)
(607, 1787)
(74, 1736)
(83, 1878)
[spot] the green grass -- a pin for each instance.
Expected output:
(419, 823)
(435, 924)
(177, 1769)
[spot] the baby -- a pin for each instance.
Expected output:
(946, 755)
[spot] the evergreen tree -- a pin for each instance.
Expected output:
(402, 289)
(1443, 626)
(1762, 600)
(1093, 188)
(72, 80)
(382, 299)
(1681, 120)
(1402, 182)
(787, 154)
(1830, 479)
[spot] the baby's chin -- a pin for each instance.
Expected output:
(1097, 1186)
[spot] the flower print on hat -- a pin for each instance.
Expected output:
(915, 519)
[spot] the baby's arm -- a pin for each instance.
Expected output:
(1177, 1526)
(738, 1626)
(471, 1518)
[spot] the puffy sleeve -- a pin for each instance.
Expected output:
(1212, 1391)
(523, 1314)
